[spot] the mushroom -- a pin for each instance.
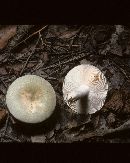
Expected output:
(85, 89)
(31, 99)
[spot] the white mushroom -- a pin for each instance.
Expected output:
(85, 89)
(31, 99)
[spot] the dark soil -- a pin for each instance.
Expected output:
(50, 52)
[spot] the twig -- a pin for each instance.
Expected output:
(59, 64)
(29, 57)
(25, 64)
(72, 41)
(74, 45)
(102, 133)
(38, 66)
(78, 31)
(41, 37)
(121, 69)
(12, 138)
(3, 83)
(70, 60)
(31, 36)
(54, 71)
(6, 125)
(50, 78)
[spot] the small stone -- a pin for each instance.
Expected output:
(84, 61)
(50, 134)
(12, 120)
(119, 29)
(72, 124)
(111, 119)
(38, 139)
(57, 126)
(114, 38)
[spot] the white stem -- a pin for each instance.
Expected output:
(79, 93)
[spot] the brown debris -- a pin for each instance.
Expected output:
(3, 114)
(45, 57)
(111, 119)
(116, 49)
(3, 71)
(115, 102)
(14, 69)
(127, 107)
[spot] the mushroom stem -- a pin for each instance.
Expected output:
(79, 93)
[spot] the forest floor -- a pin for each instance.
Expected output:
(50, 51)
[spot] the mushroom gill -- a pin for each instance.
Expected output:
(85, 89)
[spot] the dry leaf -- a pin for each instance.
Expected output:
(68, 34)
(16, 68)
(6, 33)
(61, 31)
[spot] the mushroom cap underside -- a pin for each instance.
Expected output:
(93, 78)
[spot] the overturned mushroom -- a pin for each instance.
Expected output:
(31, 99)
(85, 89)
